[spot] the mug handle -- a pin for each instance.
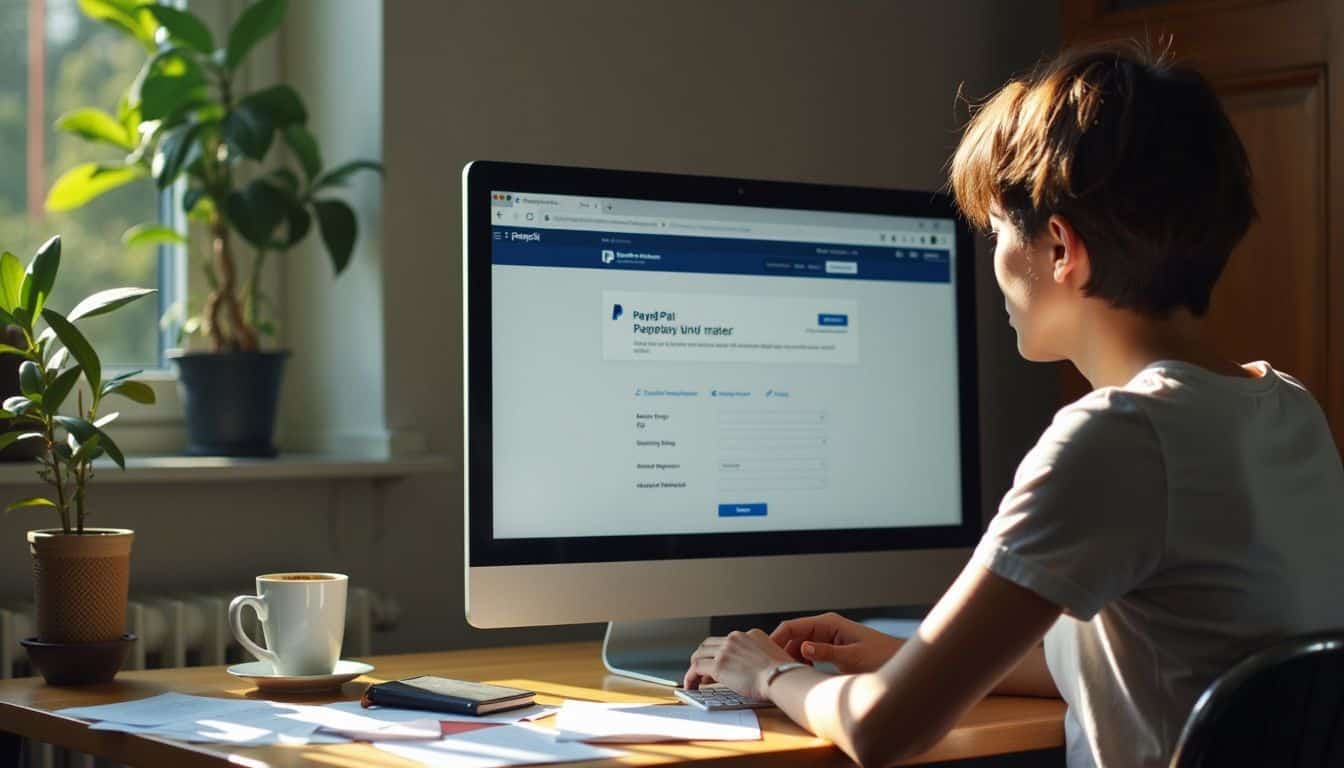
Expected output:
(236, 621)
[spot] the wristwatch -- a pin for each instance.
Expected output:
(780, 669)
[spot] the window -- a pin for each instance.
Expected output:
(54, 60)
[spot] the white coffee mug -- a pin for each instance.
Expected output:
(302, 618)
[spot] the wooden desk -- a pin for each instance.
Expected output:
(998, 725)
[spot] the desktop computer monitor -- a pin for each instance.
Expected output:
(691, 396)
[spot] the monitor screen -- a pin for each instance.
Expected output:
(704, 377)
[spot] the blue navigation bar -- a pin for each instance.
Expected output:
(742, 510)
(519, 246)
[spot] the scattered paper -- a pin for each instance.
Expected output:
(644, 723)
(269, 722)
(164, 708)
(497, 746)
(393, 714)
(257, 727)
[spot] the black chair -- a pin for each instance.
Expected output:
(1282, 707)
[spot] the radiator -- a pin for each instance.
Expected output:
(181, 631)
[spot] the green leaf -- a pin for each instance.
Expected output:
(138, 391)
(170, 81)
(280, 103)
(304, 145)
(6, 349)
(256, 210)
(103, 302)
(11, 281)
(298, 221)
(79, 347)
(106, 419)
(151, 234)
(84, 432)
(249, 131)
(57, 360)
(17, 405)
(286, 180)
(125, 15)
(40, 276)
(173, 153)
(183, 27)
(82, 451)
(337, 176)
(96, 125)
(34, 501)
(9, 438)
(259, 20)
(60, 389)
(105, 444)
(86, 181)
(190, 198)
(118, 379)
(336, 222)
(30, 379)
(80, 428)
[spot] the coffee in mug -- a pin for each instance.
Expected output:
(302, 618)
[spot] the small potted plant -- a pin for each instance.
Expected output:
(80, 574)
(185, 117)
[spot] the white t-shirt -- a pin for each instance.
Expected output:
(1181, 521)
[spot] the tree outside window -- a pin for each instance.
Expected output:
(52, 60)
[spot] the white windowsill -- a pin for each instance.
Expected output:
(292, 466)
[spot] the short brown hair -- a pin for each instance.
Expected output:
(1135, 153)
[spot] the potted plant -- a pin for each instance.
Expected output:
(184, 117)
(80, 574)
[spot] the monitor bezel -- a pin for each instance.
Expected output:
(484, 550)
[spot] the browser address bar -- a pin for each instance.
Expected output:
(651, 223)
(563, 218)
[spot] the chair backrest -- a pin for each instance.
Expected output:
(1282, 707)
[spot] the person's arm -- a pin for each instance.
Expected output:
(853, 648)
(1031, 677)
(977, 634)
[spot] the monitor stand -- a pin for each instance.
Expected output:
(655, 651)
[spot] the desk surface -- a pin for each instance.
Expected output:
(998, 725)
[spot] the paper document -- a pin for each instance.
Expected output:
(254, 723)
(396, 715)
(162, 709)
(496, 746)
(643, 723)
(257, 727)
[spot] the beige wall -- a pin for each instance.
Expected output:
(840, 92)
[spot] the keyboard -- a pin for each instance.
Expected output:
(718, 698)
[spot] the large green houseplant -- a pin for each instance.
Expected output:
(185, 117)
(80, 574)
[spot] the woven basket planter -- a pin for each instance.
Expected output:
(80, 583)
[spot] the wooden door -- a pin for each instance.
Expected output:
(1281, 297)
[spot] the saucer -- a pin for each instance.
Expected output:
(263, 675)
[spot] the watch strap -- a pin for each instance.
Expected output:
(780, 669)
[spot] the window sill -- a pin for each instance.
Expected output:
(290, 466)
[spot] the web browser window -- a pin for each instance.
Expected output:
(679, 368)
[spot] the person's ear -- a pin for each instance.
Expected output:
(1070, 262)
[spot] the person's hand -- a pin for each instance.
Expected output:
(849, 645)
(740, 661)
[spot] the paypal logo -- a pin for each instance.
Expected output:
(608, 257)
(616, 311)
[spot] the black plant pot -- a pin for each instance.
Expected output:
(230, 400)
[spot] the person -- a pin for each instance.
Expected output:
(1185, 512)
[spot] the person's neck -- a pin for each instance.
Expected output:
(1115, 344)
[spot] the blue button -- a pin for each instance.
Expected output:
(742, 510)
(832, 319)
